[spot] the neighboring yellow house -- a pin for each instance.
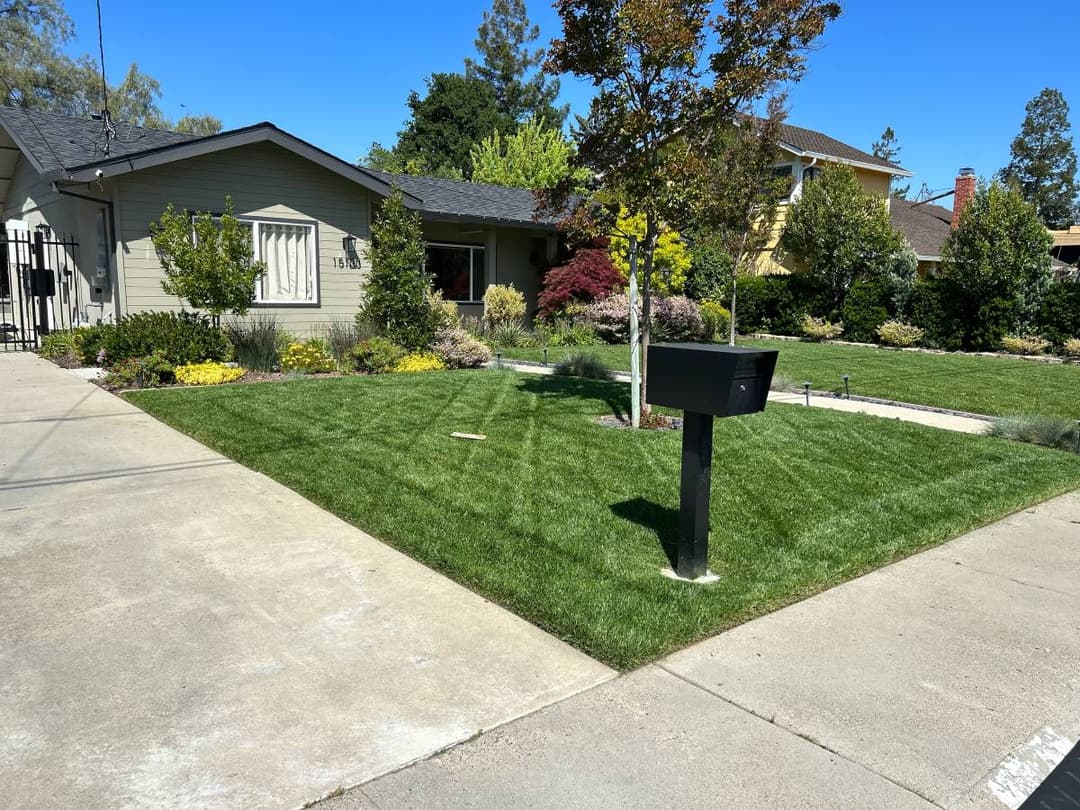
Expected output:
(803, 154)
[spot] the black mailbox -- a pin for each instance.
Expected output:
(704, 380)
(711, 379)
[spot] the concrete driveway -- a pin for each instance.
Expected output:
(176, 630)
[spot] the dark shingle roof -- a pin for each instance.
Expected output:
(925, 226)
(807, 140)
(58, 142)
(460, 199)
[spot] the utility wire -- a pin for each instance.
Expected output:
(106, 124)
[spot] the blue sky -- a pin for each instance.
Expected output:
(951, 78)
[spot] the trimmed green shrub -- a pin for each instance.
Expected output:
(568, 333)
(820, 329)
(1048, 431)
(503, 305)
(178, 337)
(255, 341)
(930, 312)
(777, 304)
(584, 365)
(1025, 344)
(140, 372)
(1059, 315)
(899, 334)
(90, 343)
(716, 319)
(377, 355)
(866, 307)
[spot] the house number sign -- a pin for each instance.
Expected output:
(347, 262)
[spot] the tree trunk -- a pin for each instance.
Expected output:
(734, 289)
(652, 229)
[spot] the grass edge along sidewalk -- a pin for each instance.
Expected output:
(566, 523)
(992, 386)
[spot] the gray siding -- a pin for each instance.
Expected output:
(263, 180)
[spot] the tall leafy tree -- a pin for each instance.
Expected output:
(36, 74)
(536, 157)
(841, 231)
(457, 113)
(504, 41)
(198, 124)
(1043, 164)
(660, 91)
(395, 289)
(887, 147)
(735, 195)
(995, 266)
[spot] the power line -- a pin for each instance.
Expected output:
(106, 124)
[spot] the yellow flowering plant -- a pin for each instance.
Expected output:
(209, 373)
(307, 358)
(419, 361)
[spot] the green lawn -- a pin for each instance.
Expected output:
(563, 521)
(988, 385)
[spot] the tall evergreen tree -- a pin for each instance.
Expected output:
(503, 41)
(1043, 164)
(887, 147)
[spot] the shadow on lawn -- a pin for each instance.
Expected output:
(663, 520)
(615, 395)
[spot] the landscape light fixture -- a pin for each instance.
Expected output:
(545, 355)
(847, 390)
(498, 359)
(806, 388)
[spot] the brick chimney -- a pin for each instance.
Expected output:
(964, 193)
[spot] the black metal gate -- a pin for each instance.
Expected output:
(39, 289)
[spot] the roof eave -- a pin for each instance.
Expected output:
(895, 171)
(258, 133)
(444, 216)
(26, 151)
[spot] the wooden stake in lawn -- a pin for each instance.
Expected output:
(635, 340)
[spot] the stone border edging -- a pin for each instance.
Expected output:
(1037, 358)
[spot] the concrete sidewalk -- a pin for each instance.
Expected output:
(179, 631)
(946, 680)
(919, 416)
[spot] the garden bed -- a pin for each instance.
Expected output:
(566, 522)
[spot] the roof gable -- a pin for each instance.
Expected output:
(809, 143)
(926, 227)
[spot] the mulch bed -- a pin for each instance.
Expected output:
(653, 421)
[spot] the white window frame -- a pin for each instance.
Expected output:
(313, 259)
(472, 248)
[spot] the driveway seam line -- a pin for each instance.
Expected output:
(801, 736)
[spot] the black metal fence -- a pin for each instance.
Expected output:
(39, 289)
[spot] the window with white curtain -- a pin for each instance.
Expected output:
(288, 251)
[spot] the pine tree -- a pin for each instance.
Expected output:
(503, 41)
(1043, 164)
(888, 148)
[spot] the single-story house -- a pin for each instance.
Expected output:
(102, 185)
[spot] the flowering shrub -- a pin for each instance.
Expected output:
(376, 355)
(610, 317)
(502, 305)
(1072, 347)
(1024, 344)
(820, 329)
(588, 276)
(209, 373)
(898, 333)
(676, 318)
(419, 361)
(456, 348)
(307, 358)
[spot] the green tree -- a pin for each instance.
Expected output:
(671, 258)
(735, 195)
(658, 88)
(533, 157)
(207, 260)
(135, 100)
(1043, 163)
(457, 113)
(396, 288)
(503, 41)
(995, 267)
(841, 232)
(887, 147)
(201, 125)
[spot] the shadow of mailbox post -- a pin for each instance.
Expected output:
(704, 380)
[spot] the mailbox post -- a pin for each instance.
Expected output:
(704, 380)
